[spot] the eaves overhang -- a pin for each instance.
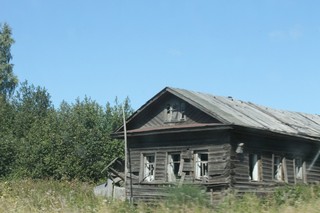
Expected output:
(275, 133)
(172, 129)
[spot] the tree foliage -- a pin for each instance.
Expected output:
(8, 81)
(39, 141)
(71, 142)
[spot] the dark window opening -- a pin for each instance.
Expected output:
(182, 110)
(175, 112)
(255, 167)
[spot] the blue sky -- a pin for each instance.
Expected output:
(266, 51)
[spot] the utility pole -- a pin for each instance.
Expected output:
(125, 152)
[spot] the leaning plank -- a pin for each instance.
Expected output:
(182, 179)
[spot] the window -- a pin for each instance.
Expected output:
(279, 171)
(201, 165)
(182, 111)
(171, 113)
(168, 112)
(175, 112)
(255, 167)
(299, 169)
(173, 169)
(148, 167)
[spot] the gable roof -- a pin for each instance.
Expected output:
(240, 113)
(236, 112)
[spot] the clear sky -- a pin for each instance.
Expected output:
(263, 51)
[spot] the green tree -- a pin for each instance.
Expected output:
(114, 114)
(8, 81)
(32, 106)
(85, 144)
(31, 103)
(7, 139)
(72, 142)
(38, 150)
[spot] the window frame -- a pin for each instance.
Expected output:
(146, 163)
(201, 167)
(255, 167)
(299, 167)
(175, 112)
(173, 167)
(279, 165)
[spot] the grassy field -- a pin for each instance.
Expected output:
(56, 196)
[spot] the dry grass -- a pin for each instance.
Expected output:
(47, 196)
(54, 196)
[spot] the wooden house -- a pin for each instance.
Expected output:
(185, 137)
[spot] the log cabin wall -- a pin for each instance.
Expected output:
(181, 136)
(204, 159)
(279, 160)
(227, 170)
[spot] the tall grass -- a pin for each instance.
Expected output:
(47, 196)
(56, 196)
(285, 199)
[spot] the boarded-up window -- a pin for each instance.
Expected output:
(148, 167)
(173, 167)
(255, 167)
(201, 165)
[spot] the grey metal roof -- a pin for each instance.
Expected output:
(231, 111)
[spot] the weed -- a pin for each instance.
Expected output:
(75, 196)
